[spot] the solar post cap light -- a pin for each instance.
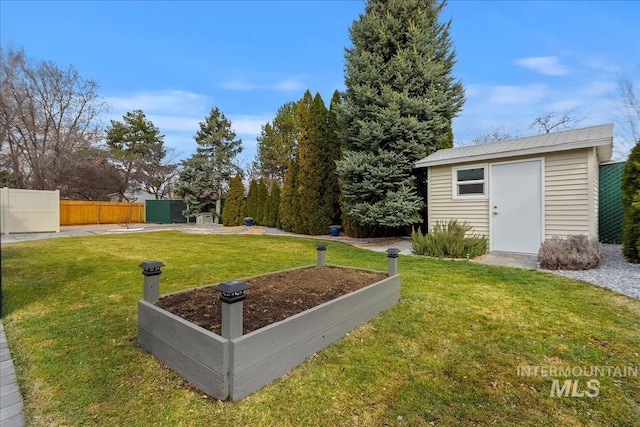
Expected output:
(231, 298)
(322, 253)
(151, 272)
(232, 291)
(393, 254)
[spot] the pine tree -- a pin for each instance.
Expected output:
(135, 146)
(631, 205)
(401, 98)
(206, 173)
(277, 143)
(233, 214)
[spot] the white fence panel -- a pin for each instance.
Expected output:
(29, 211)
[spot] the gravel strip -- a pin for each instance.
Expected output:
(615, 273)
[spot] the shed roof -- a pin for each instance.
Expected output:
(600, 137)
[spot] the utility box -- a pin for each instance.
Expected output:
(165, 211)
(204, 218)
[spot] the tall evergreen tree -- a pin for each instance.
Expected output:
(400, 100)
(213, 162)
(277, 143)
(262, 198)
(302, 110)
(334, 153)
(316, 167)
(252, 200)
(135, 145)
(286, 211)
(273, 205)
(233, 212)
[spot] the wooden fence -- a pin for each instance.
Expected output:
(76, 212)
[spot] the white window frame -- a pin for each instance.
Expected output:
(484, 181)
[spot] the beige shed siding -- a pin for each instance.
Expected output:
(442, 206)
(568, 193)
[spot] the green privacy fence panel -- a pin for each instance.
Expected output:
(165, 211)
(610, 203)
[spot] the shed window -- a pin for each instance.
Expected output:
(469, 182)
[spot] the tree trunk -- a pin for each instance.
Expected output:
(216, 219)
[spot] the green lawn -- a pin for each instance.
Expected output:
(447, 354)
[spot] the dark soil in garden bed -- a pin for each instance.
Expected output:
(272, 297)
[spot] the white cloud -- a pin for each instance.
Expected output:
(601, 65)
(175, 123)
(163, 101)
(598, 89)
(288, 84)
(472, 90)
(237, 84)
(291, 84)
(547, 65)
(517, 95)
(248, 125)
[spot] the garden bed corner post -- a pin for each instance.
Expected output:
(231, 298)
(322, 253)
(151, 272)
(393, 254)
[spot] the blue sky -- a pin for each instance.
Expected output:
(176, 60)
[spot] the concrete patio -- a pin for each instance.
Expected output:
(510, 259)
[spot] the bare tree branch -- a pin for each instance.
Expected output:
(555, 121)
(46, 115)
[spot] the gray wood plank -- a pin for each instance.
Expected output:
(245, 379)
(203, 345)
(214, 382)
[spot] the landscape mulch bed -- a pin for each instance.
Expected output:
(272, 297)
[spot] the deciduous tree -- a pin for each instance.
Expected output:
(47, 115)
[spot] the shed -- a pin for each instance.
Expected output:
(165, 211)
(520, 192)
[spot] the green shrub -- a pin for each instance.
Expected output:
(631, 205)
(449, 240)
(572, 253)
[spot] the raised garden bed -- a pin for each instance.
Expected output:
(275, 343)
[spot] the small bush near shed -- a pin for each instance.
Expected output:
(631, 205)
(572, 253)
(449, 240)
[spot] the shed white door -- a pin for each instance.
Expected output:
(516, 206)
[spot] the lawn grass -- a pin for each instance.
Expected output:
(447, 354)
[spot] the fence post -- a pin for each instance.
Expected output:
(322, 253)
(231, 298)
(151, 272)
(393, 254)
